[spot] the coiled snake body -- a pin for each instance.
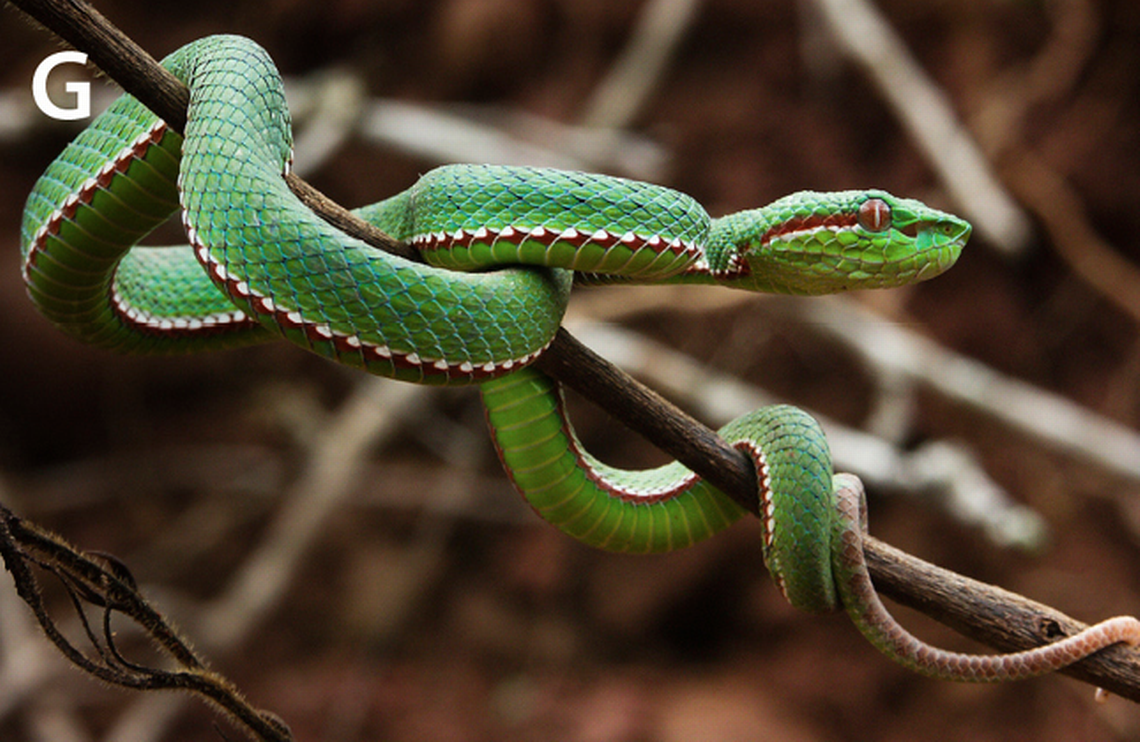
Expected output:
(260, 265)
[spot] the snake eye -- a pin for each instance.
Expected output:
(874, 215)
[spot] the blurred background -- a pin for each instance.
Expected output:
(348, 550)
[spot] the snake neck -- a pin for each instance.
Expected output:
(730, 236)
(724, 263)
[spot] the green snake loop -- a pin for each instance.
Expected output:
(502, 244)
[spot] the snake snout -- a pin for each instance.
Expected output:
(941, 242)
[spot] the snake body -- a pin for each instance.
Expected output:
(503, 245)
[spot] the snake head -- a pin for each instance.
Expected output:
(821, 243)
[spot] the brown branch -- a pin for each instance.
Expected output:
(988, 614)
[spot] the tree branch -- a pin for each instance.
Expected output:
(983, 612)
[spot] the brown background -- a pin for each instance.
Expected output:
(508, 630)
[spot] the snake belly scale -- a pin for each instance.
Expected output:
(503, 245)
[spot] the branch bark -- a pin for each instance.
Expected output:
(988, 614)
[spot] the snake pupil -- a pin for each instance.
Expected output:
(874, 215)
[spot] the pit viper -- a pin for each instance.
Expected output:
(501, 246)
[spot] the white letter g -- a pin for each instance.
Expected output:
(82, 90)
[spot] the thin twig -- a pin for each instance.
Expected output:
(660, 28)
(449, 133)
(372, 412)
(87, 581)
(1042, 187)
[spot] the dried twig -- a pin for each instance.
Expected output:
(636, 73)
(107, 585)
(467, 133)
(1042, 187)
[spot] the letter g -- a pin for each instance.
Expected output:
(82, 90)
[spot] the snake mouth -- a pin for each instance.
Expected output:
(934, 268)
(944, 256)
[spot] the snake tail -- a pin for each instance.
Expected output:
(875, 622)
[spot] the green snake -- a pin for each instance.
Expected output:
(502, 245)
